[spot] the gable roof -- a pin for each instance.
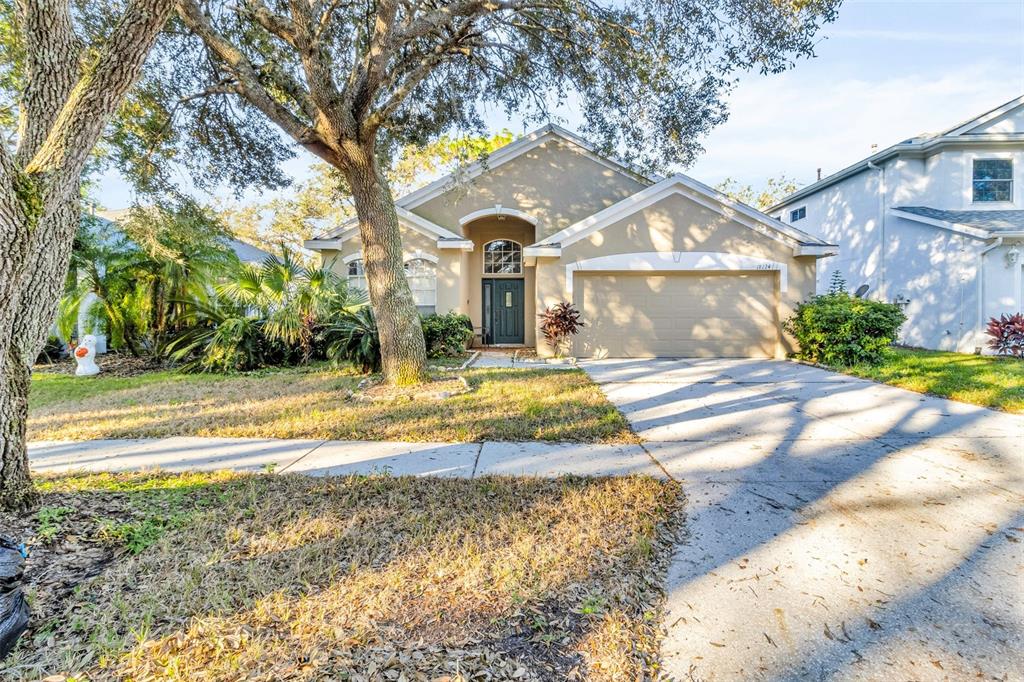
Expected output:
(977, 223)
(498, 157)
(965, 127)
(802, 242)
(918, 144)
(350, 228)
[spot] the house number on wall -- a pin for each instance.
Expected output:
(508, 299)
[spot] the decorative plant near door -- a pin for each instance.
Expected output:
(558, 324)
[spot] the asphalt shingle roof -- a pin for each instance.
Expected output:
(993, 221)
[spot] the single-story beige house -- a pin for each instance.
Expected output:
(658, 267)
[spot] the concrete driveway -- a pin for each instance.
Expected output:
(837, 528)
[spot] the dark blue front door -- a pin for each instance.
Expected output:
(504, 310)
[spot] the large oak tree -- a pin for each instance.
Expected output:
(66, 67)
(351, 81)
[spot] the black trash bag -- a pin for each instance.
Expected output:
(14, 611)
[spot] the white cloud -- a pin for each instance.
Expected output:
(797, 122)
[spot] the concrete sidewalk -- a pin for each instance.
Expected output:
(334, 457)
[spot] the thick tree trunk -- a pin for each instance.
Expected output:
(16, 489)
(63, 108)
(401, 334)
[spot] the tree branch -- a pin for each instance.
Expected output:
(52, 53)
(97, 95)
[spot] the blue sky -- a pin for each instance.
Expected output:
(884, 71)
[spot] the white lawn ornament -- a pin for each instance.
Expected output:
(85, 355)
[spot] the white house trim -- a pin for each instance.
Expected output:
(813, 250)
(461, 244)
(693, 190)
(350, 228)
(351, 257)
(548, 251)
(499, 211)
(985, 118)
(946, 225)
(511, 151)
(322, 244)
(674, 261)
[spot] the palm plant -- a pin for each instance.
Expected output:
(279, 301)
(354, 337)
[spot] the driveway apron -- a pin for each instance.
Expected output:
(836, 528)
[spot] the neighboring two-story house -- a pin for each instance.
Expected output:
(937, 220)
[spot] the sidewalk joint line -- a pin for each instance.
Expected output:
(304, 456)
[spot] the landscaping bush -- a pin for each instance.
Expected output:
(1007, 334)
(354, 338)
(840, 329)
(447, 335)
(557, 324)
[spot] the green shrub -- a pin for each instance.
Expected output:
(447, 335)
(354, 337)
(843, 330)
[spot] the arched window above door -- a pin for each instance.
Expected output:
(503, 257)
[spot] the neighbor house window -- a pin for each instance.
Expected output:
(503, 257)
(993, 180)
(798, 214)
(423, 281)
(356, 275)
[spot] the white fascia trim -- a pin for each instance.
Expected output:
(675, 261)
(815, 250)
(322, 244)
(510, 151)
(985, 118)
(946, 225)
(698, 192)
(498, 210)
(542, 251)
(408, 219)
(461, 244)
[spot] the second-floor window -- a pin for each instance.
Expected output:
(798, 214)
(992, 180)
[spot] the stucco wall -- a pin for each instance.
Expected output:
(677, 223)
(556, 183)
(485, 230)
(449, 266)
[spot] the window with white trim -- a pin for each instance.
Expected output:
(992, 180)
(798, 214)
(422, 277)
(356, 275)
(503, 257)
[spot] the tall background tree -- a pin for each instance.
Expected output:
(354, 82)
(772, 192)
(65, 69)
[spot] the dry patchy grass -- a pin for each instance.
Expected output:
(291, 578)
(504, 404)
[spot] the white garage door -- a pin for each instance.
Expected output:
(678, 315)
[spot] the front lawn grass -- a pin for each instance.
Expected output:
(996, 382)
(282, 577)
(505, 404)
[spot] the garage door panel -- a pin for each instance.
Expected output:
(677, 315)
